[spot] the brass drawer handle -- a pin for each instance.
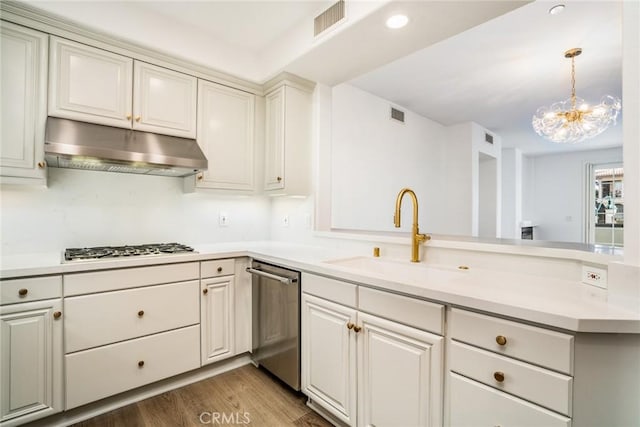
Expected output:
(357, 329)
(350, 325)
(138, 119)
(279, 178)
(205, 291)
(200, 177)
(219, 269)
(23, 292)
(57, 314)
(498, 376)
(128, 116)
(141, 313)
(141, 364)
(41, 165)
(501, 340)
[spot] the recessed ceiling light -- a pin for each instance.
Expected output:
(556, 10)
(397, 21)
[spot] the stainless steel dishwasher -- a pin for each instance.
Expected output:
(276, 321)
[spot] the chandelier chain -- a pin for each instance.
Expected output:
(573, 82)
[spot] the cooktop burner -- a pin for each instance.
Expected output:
(100, 252)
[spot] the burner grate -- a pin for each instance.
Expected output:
(101, 252)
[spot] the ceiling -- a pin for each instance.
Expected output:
(499, 73)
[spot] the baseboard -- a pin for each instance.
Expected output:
(91, 410)
(325, 414)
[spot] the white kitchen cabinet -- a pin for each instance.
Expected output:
(329, 356)
(97, 86)
(226, 136)
(31, 361)
(164, 101)
(399, 374)
(90, 84)
(217, 321)
(366, 370)
(288, 141)
(23, 87)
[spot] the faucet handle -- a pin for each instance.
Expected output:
(423, 237)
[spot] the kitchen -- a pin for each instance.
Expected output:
(82, 208)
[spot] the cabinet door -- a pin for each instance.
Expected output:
(217, 323)
(274, 140)
(329, 357)
(164, 101)
(399, 374)
(23, 70)
(225, 134)
(89, 84)
(30, 360)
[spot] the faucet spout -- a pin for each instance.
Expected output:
(416, 237)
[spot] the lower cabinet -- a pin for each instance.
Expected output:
(366, 370)
(217, 319)
(31, 362)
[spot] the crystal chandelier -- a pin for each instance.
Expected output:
(573, 120)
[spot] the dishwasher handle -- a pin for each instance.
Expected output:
(281, 279)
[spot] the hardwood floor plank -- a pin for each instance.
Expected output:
(244, 396)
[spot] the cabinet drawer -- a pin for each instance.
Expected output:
(529, 343)
(474, 405)
(219, 267)
(105, 371)
(31, 289)
(111, 280)
(334, 290)
(537, 385)
(414, 312)
(99, 319)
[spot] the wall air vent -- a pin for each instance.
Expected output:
(397, 115)
(328, 18)
(488, 138)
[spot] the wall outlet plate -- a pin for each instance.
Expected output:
(595, 276)
(285, 221)
(223, 219)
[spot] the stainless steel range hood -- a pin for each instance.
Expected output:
(79, 145)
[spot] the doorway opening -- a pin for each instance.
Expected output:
(606, 204)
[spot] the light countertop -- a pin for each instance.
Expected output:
(564, 304)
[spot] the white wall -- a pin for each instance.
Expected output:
(487, 196)
(512, 174)
(85, 208)
(374, 157)
(553, 186)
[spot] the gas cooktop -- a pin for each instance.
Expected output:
(102, 252)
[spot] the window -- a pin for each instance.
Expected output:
(606, 226)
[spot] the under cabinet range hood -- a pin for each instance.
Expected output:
(80, 145)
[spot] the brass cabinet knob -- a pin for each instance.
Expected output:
(279, 178)
(219, 269)
(128, 116)
(141, 313)
(357, 329)
(41, 165)
(350, 325)
(57, 314)
(23, 292)
(498, 376)
(501, 340)
(200, 177)
(138, 118)
(205, 291)
(141, 363)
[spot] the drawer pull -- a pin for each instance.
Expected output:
(22, 292)
(357, 329)
(350, 325)
(498, 376)
(141, 364)
(57, 314)
(219, 269)
(205, 291)
(501, 340)
(141, 313)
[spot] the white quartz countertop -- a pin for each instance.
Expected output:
(564, 304)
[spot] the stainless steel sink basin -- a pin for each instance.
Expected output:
(397, 270)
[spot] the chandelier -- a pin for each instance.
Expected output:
(573, 120)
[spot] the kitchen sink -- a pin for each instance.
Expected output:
(398, 270)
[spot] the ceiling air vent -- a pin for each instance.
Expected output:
(397, 115)
(328, 18)
(488, 138)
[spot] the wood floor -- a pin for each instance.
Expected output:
(244, 396)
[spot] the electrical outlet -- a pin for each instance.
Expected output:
(594, 276)
(223, 219)
(285, 221)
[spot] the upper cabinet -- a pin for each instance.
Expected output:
(226, 136)
(94, 85)
(23, 71)
(288, 141)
